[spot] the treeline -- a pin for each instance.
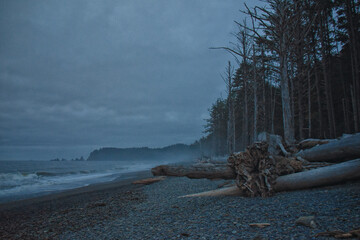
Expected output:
(296, 75)
(172, 152)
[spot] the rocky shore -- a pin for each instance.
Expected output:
(126, 211)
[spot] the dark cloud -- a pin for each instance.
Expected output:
(76, 75)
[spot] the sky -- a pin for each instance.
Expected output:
(78, 75)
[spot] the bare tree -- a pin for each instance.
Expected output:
(228, 79)
(277, 24)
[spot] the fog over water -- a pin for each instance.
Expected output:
(79, 75)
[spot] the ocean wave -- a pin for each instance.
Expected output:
(45, 177)
(9, 180)
(46, 174)
(16, 176)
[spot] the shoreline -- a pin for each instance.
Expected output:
(125, 179)
(49, 216)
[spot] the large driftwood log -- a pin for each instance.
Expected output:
(206, 170)
(340, 150)
(329, 175)
(311, 142)
(228, 191)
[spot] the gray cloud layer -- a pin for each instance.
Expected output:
(76, 75)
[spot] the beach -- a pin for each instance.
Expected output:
(122, 210)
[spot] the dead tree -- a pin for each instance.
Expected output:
(228, 79)
(242, 49)
(277, 24)
(255, 86)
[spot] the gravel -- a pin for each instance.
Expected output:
(156, 212)
(165, 216)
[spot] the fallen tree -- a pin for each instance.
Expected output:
(345, 148)
(311, 142)
(206, 170)
(329, 175)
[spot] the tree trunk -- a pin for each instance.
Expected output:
(329, 106)
(343, 100)
(309, 102)
(263, 107)
(206, 170)
(273, 108)
(255, 97)
(300, 109)
(343, 149)
(333, 174)
(245, 116)
(285, 99)
(317, 84)
(354, 54)
(328, 95)
(230, 104)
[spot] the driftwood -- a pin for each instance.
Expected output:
(340, 234)
(271, 166)
(228, 191)
(346, 148)
(257, 170)
(259, 225)
(311, 142)
(334, 174)
(148, 181)
(206, 170)
(312, 165)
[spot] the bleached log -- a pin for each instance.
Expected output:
(340, 150)
(228, 191)
(329, 175)
(208, 170)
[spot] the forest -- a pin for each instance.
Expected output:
(296, 74)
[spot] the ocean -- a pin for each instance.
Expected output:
(27, 179)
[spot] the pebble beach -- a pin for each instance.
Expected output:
(122, 210)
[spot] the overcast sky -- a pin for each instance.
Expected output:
(79, 75)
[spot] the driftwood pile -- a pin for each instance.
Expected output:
(270, 166)
(256, 170)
